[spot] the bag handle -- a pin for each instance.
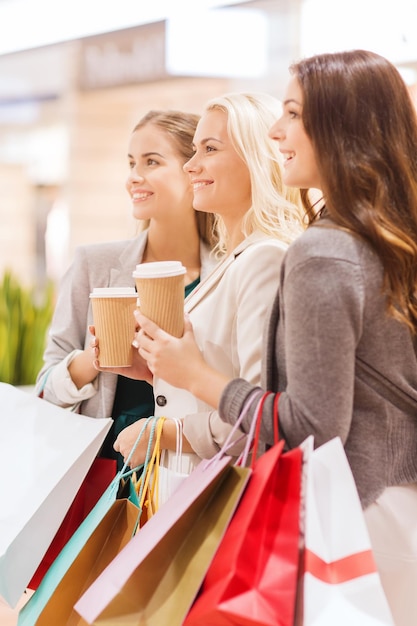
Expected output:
(255, 428)
(387, 389)
(126, 473)
(73, 408)
(276, 417)
(178, 447)
(254, 395)
(257, 420)
(44, 381)
(178, 443)
(151, 467)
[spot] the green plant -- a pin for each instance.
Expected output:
(25, 315)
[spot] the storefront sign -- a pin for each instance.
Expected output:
(124, 57)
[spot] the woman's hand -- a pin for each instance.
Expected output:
(126, 440)
(138, 370)
(174, 359)
(82, 369)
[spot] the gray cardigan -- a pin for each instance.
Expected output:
(329, 316)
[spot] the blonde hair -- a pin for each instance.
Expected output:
(276, 210)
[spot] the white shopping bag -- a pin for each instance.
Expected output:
(174, 467)
(46, 453)
(341, 584)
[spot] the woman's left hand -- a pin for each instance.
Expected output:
(137, 371)
(126, 440)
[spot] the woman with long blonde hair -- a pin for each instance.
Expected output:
(236, 173)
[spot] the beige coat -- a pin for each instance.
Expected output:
(107, 264)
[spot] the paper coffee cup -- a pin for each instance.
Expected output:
(160, 287)
(115, 324)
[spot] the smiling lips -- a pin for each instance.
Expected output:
(288, 156)
(201, 183)
(142, 195)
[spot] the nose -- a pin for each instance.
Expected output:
(276, 131)
(135, 176)
(133, 179)
(190, 165)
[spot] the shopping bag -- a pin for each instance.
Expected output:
(340, 583)
(171, 473)
(110, 535)
(156, 577)
(48, 454)
(252, 579)
(98, 478)
(103, 533)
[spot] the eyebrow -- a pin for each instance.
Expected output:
(148, 154)
(286, 102)
(207, 140)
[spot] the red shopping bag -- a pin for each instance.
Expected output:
(98, 478)
(252, 579)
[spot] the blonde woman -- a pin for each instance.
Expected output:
(236, 174)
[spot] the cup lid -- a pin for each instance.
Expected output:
(113, 292)
(159, 269)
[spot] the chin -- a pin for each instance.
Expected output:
(141, 215)
(295, 183)
(289, 182)
(202, 208)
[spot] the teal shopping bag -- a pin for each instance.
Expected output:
(103, 533)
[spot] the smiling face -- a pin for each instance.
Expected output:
(157, 184)
(220, 178)
(300, 164)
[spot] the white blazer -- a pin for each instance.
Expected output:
(227, 311)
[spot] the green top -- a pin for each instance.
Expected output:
(133, 400)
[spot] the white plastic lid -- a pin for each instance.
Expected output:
(113, 292)
(159, 269)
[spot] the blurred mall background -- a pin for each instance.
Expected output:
(75, 77)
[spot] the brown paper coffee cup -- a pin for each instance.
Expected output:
(160, 288)
(115, 324)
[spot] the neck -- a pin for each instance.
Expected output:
(235, 236)
(184, 247)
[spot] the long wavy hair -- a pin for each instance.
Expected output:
(180, 127)
(362, 123)
(276, 210)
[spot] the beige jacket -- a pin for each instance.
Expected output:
(107, 264)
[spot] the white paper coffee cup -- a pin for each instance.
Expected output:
(114, 323)
(160, 287)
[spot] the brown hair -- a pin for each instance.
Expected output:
(362, 123)
(181, 128)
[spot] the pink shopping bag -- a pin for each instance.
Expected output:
(156, 577)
